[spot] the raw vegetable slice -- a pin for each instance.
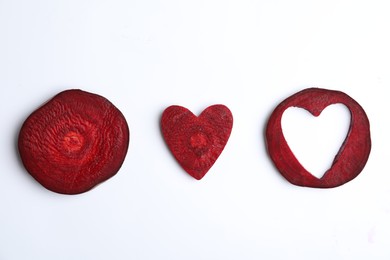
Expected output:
(353, 153)
(196, 142)
(74, 141)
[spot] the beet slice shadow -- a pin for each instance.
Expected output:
(74, 142)
(196, 141)
(352, 155)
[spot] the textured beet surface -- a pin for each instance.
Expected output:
(196, 142)
(73, 142)
(352, 156)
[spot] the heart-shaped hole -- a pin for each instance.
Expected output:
(315, 141)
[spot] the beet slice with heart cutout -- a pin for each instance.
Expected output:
(196, 142)
(74, 141)
(350, 159)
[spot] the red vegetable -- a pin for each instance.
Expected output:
(352, 156)
(73, 142)
(196, 142)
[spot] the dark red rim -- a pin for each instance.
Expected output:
(352, 156)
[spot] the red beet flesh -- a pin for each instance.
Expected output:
(73, 142)
(196, 142)
(352, 156)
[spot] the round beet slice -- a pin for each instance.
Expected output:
(353, 153)
(74, 141)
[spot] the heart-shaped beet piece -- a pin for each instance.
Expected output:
(352, 156)
(196, 142)
(73, 142)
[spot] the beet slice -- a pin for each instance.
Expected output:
(196, 142)
(350, 159)
(73, 142)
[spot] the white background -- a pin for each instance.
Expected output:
(144, 55)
